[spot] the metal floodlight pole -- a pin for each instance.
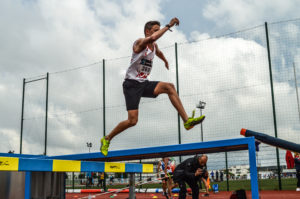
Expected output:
(89, 145)
(201, 106)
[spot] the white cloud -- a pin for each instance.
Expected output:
(10, 140)
(2, 88)
(196, 36)
(246, 13)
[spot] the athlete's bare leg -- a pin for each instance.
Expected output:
(170, 185)
(131, 121)
(164, 186)
(169, 88)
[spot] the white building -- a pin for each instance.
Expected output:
(240, 172)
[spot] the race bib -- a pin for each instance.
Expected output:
(145, 67)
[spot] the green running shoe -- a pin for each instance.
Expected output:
(191, 122)
(104, 146)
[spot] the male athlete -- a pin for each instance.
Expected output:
(164, 171)
(136, 84)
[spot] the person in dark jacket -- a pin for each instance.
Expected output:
(297, 167)
(190, 171)
(221, 176)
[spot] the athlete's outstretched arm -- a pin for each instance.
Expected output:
(141, 44)
(161, 56)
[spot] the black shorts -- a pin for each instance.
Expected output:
(134, 90)
(162, 176)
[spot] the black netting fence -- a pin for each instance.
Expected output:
(230, 73)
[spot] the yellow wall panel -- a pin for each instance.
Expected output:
(147, 168)
(66, 166)
(114, 167)
(9, 164)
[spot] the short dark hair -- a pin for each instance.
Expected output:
(150, 24)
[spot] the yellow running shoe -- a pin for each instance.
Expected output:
(104, 146)
(191, 122)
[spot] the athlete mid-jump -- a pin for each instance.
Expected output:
(136, 84)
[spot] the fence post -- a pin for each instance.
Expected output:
(22, 116)
(104, 119)
(227, 173)
(177, 86)
(46, 116)
(296, 87)
(103, 71)
(273, 103)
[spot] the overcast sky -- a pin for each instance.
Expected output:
(48, 36)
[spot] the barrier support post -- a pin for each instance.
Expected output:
(131, 186)
(27, 185)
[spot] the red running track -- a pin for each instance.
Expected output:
(223, 194)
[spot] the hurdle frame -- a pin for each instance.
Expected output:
(236, 144)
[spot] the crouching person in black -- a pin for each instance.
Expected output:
(190, 171)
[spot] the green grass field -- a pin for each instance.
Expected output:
(267, 184)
